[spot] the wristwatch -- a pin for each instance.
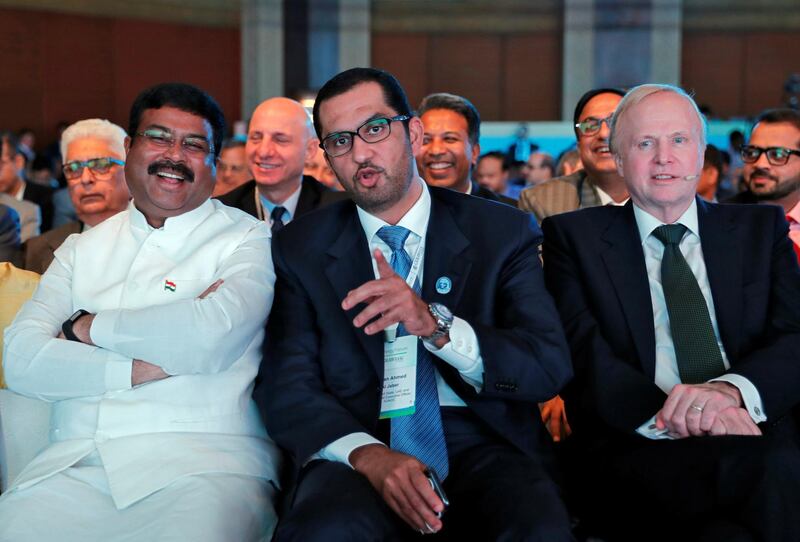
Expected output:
(444, 321)
(66, 327)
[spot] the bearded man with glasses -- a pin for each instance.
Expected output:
(94, 156)
(598, 183)
(772, 166)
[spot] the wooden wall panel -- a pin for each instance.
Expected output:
(406, 57)
(769, 59)
(712, 68)
(68, 67)
(532, 77)
(470, 66)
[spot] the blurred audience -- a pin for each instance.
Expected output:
(568, 162)
(9, 235)
(13, 184)
(712, 172)
(318, 168)
(11, 164)
(94, 156)
(232, 170)
(539, 168)
(492, 172)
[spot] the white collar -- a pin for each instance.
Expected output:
(647, 222)
(605, 199)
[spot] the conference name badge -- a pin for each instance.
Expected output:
(399, 377)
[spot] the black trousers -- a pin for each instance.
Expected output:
(496, 493)
(705, 489)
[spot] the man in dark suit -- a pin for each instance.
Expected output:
(12, 183)
(683, 318)
(9, 235)
(335, 361)
(450, 146)
(280, 139)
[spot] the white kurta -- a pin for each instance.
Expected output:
(143, 283)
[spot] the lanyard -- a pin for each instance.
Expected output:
(390, 333)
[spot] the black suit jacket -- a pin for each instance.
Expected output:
(485, 193)
(313, 194)
(321, 377)
(595, 269)
(43, 197)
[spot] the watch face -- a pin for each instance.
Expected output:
(442, 311)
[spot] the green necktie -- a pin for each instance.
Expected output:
(696, 350)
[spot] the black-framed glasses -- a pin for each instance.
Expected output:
(99, 166)
(777, 156)
(591, 125)
(164, 139)
(372, 131)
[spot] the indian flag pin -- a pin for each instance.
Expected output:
(169, 285)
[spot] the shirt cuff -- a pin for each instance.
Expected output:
(340, 449)
(462, 352)
(750, 396)
(118, 375)
(101, 332)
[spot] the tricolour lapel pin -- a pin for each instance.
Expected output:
(169, 285)
(443, 285)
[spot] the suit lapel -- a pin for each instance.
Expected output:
(723, 258)
(587, 194)
(351, 266)
(446, 256)
(627, 272)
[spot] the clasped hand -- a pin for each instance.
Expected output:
(713, 408)
(389, 301)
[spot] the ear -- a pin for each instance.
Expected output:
(476, 152)
(127, 145)
(415, 133)
(311, 149)
(618, 162)
(19, 161)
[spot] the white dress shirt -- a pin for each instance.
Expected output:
(462, 352)
(143, 285)
(605, 199)
(290, 205)
(667, 375)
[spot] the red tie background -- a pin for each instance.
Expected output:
(791, 220)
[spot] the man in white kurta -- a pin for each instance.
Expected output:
(181, 286)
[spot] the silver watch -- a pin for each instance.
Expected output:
(444, 321)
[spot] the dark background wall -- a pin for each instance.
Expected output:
(66, 67)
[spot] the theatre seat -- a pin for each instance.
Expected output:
(24, 422)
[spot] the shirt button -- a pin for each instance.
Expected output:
(469, 349)
(757, 411)
(460, 343)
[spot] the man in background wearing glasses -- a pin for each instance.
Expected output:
(598, 183)
(153, 429)
(772, 166)
(94, 156)
(11, 164)
(411, 332)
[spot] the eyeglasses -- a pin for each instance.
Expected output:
(372, 131)
(164, 139)
(777, 156)
(591, 125)
(234, 168)
(98, 166)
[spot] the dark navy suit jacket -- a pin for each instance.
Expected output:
(321, 377)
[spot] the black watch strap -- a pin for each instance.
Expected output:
(66, 327)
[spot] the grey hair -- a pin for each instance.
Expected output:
(639, 93)
(97, 129)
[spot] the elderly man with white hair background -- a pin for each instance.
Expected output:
(94, 156)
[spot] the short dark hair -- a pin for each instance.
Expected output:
(713, 158)
(456, 104)
(393, 93)
(181, 96)
(496, 154)
(232, 143)
(781, 114)
(585, 100)
(9, 139)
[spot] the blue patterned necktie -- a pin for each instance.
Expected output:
(420, 434)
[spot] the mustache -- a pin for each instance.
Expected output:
(177, 167)
(758, 172)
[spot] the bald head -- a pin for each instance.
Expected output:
(279, 141)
